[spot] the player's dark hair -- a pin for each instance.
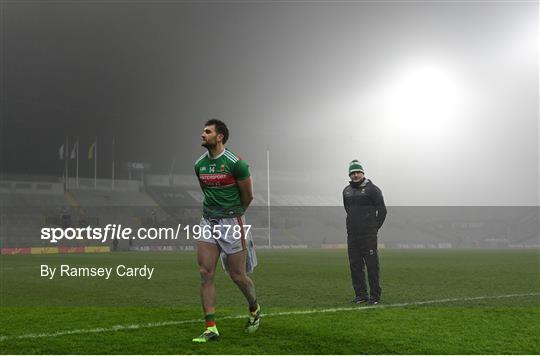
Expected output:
(221, 128)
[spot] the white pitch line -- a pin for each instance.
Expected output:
(293, 312)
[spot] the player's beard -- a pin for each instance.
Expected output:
(209, 145)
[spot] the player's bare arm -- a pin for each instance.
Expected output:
(245, 187)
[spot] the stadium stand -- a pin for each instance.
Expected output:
(296, 220)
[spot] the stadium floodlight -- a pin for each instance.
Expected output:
(420, 99)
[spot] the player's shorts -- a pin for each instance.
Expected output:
(228, 233)
(231, 236)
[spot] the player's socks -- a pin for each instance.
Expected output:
(254, 308)
(210, 320)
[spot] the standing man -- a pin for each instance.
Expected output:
(366, 212)
(226, 183)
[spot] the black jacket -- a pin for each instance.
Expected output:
(365, 209)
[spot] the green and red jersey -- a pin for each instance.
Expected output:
(218, 177)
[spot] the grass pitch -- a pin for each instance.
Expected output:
(304, 293)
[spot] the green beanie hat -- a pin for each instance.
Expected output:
(355, 166)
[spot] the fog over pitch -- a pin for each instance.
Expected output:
(439, 101)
